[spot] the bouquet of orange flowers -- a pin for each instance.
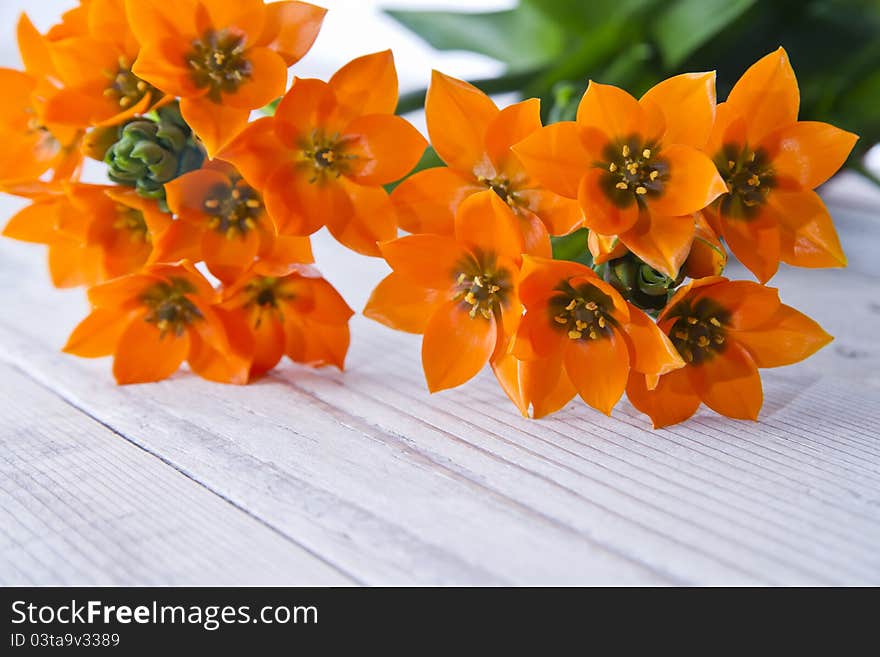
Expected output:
(583, 257)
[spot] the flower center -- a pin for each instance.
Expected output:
(502, 187)
(699, 332)
(634, 172)
(583, 313)
(264, 294)
(217, 63)
(326, 155)
(169, 308)
(126, 88)
(749, 178)
(233, 210)
(481, 285)
(132, 221)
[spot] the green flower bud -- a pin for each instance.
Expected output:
(639, 283)
(152, 150)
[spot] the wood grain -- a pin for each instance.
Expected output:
(389, 485)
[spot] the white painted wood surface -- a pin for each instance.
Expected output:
(326, 478)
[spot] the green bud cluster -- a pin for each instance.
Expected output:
(639, 283)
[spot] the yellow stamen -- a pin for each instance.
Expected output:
(591, 305)
(654, 175)
(702, 341)
(714, 322)
(754, 181)
(470, 298)
(477, 281)
(601, 322)
(719, 339)
(641, 190)
(125, 101)
(574, 335)
(571, 305)
(580, 325)
(612, 167)
(559, 319)
(625, 150)
(646, 153)
(236, 194)
(252, 203)
(212, 203)
(730, 164)
(622, 185)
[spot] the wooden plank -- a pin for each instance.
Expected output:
(395, 486)
(81, 505)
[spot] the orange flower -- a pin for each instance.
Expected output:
(724, 330)
(459, 291)
(578, 336)
(325, 154)
(152, 321)
(634, 166)
(222, 220)
(772, 162)
(221, 58)
(272, 311)
(32, 144)
(94, 69)
(94, 232)
(474, 138)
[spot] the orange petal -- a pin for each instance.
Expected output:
(510, 126)
(671, 402)
(535, 237)
(269, 343)
(755, 242)
(371, 220)
(243, 16)
(458, 116)
(431, 261)
(809, 152)
(729, 383)
(540, 277)
(151, 20)
(559, 214)
(426, 201)
(317, 300)
(747, 303)
(315, 344)
(403, 305)
(214, 124)
(308, 104)
(34, 49)
(367, 85)
(97, 334)
(34, 223)
(163, 64)
(267, 80)
(386, 147)
(541, 386)
(291, 28)
(256, 152)
(183, 239)
(598, 369)
(766, 95)
(143, 354)
(456, 347)
(221, 365)
(707, 256)
(806, 231)
(227, 257)
(600, 212)
(487, 223)
(556, 157)
(693, 183)
(300, 207)
(787, 337)
(536, 336)
(651, 352)
(72, 264)
(610, 110)
(192, 189)
(662, 242)
(687, 102)
(289, 248)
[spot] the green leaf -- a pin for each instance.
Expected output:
(687, 24)
(522, 38)
(428, 160)
(572, 247)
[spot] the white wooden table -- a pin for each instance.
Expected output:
(363, 478)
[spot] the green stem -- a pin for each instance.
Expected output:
(415, 100)
(860, 168)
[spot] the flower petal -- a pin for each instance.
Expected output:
(243, 16)
(662, 242)
(367, 85)
(387, 148)
(307, 105)
(755, 242)
(806, 231)
(809, 152)
(428, 260)
(214, 124)
(267, 80)
(541, 386)
(729, 383)
(485, 222)
(256, 152)
(427, 200)
(300, 207)
(291, 28)
(143, 354)
(403, 305)
(456, 347)
(556, 157)
(787, 337)
(510, 126)
(560, 215)
(766, 95)
(747, 303)
(687, 102)
(97, 334)
(370, 221)
(693, 183)
(34, 223)
(152, 20)
(598, 369)
(671, 402)
(227, 257)
(611, 110)
(651, 351)
(600, 212)
(458, 116)
(189, 191)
